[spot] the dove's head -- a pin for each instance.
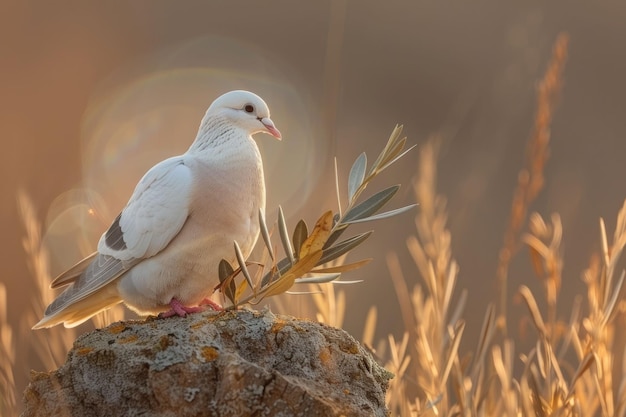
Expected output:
(245, 110)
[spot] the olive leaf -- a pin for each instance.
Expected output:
(357, 175)
(343, 247)
(384, 215)
(227, 285)
(300, 234)
(284, 235)
(242, 262)
(315, 242)
(371, 205)
(265, 234)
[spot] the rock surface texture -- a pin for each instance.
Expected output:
(238, 363)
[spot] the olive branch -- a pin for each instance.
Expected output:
(308, 253)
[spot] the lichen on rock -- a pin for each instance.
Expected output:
(236, 363)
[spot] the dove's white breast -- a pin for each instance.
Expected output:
(227, 190)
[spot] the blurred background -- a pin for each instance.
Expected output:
(94, 94)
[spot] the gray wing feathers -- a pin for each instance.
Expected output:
(101, 271)
(114, 237)
(73, 273)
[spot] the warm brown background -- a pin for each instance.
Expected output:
(337, 76)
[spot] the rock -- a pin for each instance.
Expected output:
(236, 363)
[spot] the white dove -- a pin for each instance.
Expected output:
(162, 251)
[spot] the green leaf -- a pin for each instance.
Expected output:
(337, 282)
(265, 234)
(321, 279)
(300, 234)
(343, 247)
(384, 215)
(303, 292)
(269, 277)
(357, 175)
(284, 235)
(332, 278)
(371, 205)
(335, 235)
(337, 188)
(242, 264)
(226, 271)
(283, 265)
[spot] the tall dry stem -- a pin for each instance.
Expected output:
(7, 359)
(530, 180)
(434, 329)
(50, 351)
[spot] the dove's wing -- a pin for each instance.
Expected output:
(154, 215)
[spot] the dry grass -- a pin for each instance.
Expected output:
(571, 368)
(530, 180)
(50, 351)
(49, 346)
(7, 355)
(426, 360)
(569, 371)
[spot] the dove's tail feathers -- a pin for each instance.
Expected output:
(73, 273)
(94, 290)
(80, 311)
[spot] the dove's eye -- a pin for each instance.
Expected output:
(249, 108)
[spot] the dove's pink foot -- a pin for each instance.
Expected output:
(178, 309)
(212, 304)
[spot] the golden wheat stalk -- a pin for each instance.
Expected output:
(50, 351)
(530, 179)
(7, 358)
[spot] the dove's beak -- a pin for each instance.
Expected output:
(271, 129)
